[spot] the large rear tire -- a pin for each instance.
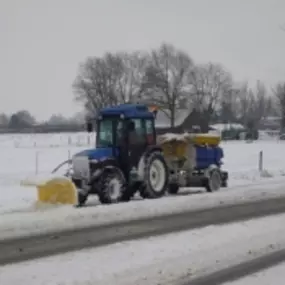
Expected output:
(155, 177)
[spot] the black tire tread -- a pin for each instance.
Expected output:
(207, 186)
(81, 199)
(103, 194)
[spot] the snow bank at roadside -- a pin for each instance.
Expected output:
(46, 219)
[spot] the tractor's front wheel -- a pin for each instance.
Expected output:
(82, 198)
(113, 188)
(155, 177)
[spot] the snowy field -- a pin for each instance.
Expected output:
(159, 260)
(25, 155)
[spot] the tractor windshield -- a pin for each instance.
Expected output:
(105, 135)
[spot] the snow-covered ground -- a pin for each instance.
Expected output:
(156, 260)
(241, 159)
(26, 155)
(272, 276)
(21, 155)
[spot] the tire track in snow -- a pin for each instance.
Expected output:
(239, 271)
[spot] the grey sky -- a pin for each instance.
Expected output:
(43, 41)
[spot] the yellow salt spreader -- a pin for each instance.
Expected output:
(194, 160)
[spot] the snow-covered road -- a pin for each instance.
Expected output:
(63, 218)
(272, 276)
(168, 259)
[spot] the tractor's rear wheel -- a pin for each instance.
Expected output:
(155, 177)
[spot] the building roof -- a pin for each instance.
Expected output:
(163, 118)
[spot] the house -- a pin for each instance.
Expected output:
(185, 120)
(227, 127)
(230, 131)
(270, 123)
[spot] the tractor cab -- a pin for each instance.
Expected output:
(124, 133)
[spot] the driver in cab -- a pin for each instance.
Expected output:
(133, 136)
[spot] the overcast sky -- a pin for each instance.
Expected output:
(43, 41)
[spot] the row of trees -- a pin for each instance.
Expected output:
(24, 119)
(20, 119)
(169, 78)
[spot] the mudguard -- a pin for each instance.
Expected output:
(99, 167)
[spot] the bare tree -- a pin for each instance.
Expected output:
(112, 79)
(129, 82)
(228, 111)
(263, 102)
(21, 119)
(210, 83)
(166, 79)
(4, 120)
(254, 105)
(244, 105)
(90, 83)
(280, 95)
(57, 119)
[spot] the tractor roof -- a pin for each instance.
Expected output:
(128, 110)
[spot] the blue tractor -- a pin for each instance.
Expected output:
(126, 157)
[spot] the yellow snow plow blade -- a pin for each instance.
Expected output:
(58, 190)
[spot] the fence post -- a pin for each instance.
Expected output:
(69, 154)
(260, 161)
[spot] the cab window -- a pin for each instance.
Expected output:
(105, 135)
(139, 130)
(120, 132)
(149, 131)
